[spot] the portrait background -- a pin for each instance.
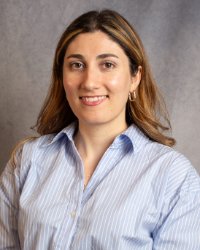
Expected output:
(30, 31)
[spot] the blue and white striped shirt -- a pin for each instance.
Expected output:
(142, 196)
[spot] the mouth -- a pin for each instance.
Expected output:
(93, 100)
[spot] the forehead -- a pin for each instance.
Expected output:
(94, 42)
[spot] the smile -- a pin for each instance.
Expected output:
(93, 100)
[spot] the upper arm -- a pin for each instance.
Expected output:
(9, 198)
(179, 225)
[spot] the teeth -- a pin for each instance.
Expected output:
(94, 99)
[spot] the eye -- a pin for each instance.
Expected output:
(77, 65)
(108, 65)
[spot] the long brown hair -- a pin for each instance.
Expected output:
(146, 111)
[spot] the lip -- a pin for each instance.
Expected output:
(93, 100)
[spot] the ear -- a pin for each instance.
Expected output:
(135, 79)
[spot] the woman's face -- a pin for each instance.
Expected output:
(97, 79)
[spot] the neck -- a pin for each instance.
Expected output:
(95, 139)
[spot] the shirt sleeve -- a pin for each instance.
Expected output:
(9, 197)
(179, 225)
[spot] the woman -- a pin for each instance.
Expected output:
(102, 175)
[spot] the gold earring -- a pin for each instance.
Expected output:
(130, 96)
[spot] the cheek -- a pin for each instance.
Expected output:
(119, 83)
(70, 92)
(69, 86)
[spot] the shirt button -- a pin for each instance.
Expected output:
(73, 214)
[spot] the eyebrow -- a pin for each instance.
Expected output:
(75, 56)
(102, 56)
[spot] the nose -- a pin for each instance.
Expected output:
(90, 79)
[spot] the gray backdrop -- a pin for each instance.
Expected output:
(29, 34)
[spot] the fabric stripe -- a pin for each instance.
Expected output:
(142, 195)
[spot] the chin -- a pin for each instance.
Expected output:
(94, 123)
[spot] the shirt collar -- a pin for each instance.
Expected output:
(131, 135)
(66, 132)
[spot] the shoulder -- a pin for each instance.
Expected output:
(180, 176)
(24, 149)
(39, 146)
(161, 159)
(169, 155)
(26, 155)
(29, 149)
(175, 161)
(173, 170)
